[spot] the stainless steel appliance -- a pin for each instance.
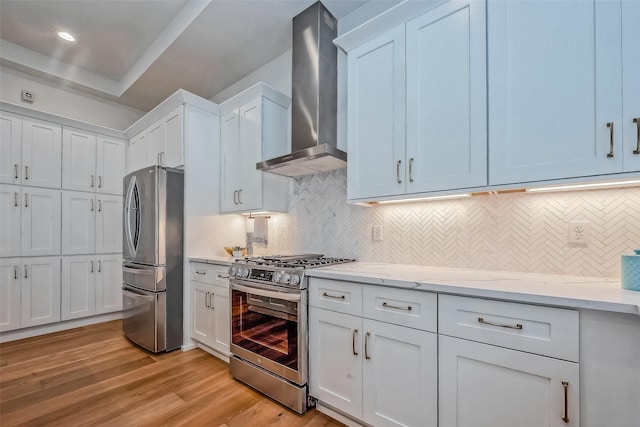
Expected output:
(269, 334)
(152, 258)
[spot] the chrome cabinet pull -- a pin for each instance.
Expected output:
(222, 276)
(91, 209)
(26, 200)
(366, 346)
(353, 342)
(91, 271)
(324, 294)
(99, 205)
(99, 266)
(411, 169)
(398, 171)
(15, 271)
(92, 181)
(163, 158)
(26, 272)
(99, 181)
(201, 273)
(235, 197)
(484, 322)
(610, 126)
(565, 384)
(240, 196)
(206, 300)
(211, 306)
(158, 160)
(397, 307)
(15, 168)
(26, 172)
(15, 199)
(637, 122)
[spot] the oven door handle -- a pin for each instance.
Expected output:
(265, 293)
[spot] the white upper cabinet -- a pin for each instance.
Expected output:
(92, 163)
(253, 129)
(173, 154)
(416, 105)
(555, 79)
(162, 143)
(137, 152)
(30, 151)
(631, 84)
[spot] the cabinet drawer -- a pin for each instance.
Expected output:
(541, 330)
(210, 273)
(402, 307)
(344, 297)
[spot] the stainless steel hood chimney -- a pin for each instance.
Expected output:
(314, 98)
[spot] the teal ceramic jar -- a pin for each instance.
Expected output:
(631, 271)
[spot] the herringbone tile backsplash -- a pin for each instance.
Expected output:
(515, 232)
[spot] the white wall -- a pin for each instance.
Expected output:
(65, 102)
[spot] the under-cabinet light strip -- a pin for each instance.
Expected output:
(570, 187)
(426, 199)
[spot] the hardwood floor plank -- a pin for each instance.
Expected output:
(141, 414)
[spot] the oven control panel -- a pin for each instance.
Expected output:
(286, 278)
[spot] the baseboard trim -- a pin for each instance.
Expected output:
(338, 416)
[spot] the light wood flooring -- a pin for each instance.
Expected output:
(93, 376)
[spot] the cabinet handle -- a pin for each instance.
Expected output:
(26, 172)
(15, 272)
(99, 205)
(240, 196)
(206, 300)
(91, 209)
(201, 273)
(15, 167)
(99, 181)
(565, 384)
(99, 266)
(26, 200)
(222, 276)
(211, 301)
(235, 197)
(92, 180)
(324, 294)
(366, 346)
(484, 322)
(411, 169)
(397, 307)
(637, 122)
(15, 199)
(353, 342)
(26, 272)
(398, 171)
(91, 271)
(610, 126)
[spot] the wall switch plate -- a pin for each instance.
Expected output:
(377, 233)
(578, 233)
(27, 96)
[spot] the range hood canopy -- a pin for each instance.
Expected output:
(314, 98)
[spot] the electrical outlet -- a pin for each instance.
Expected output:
(28, 96)
(578, 233)
(377, 233)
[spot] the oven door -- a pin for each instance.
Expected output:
(269, 328)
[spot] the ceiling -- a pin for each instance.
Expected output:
(138, 52)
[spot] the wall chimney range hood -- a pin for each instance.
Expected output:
(314, 98)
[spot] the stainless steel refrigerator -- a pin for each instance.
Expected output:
(153, 258)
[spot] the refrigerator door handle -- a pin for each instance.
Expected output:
(131, 209)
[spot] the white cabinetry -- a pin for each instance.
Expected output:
(556, 91)
(253, 128)
(210, 321)
(92, 162)
(358, 366)
(30, 291)
(30, 223)
(430, 75)
(91, 223)
(30, 151)
(485, 378)
(91, 284)
(137, 152)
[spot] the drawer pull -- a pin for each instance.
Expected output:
(397, 307)
(202, 273)
(610, 126)
(484, 322)
(366, 346)
(223, 276)
(324, 294)
(636, 151)
(353, 342)
(565, 384)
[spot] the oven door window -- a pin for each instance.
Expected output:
(266, 326)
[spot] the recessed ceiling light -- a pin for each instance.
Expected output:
(66, 36)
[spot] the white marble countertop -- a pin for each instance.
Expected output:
(217, 260)
(594, 293)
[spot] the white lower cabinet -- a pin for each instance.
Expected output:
(29, 291)
(91, 284)
(210, 322)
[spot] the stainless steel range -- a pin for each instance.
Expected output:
(269, 334)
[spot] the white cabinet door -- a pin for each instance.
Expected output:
(10, 148)
(108, 222)
(554, 78)
(109, 283)
(10, 273)
(446, 98)
(78, 287)
(400, 376)
(376, 117)
(10, 214)
(251, 128)
(231, 162)
(40, 221)
(174, 138)
(110, 164)
(201, 314)
(41, 153)
(137, 153)
(482, 385)
(78, 223)
(219, 303)
(40, 291)
(631, 84)
(78, 160)
(155, 143)
(335, 360)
